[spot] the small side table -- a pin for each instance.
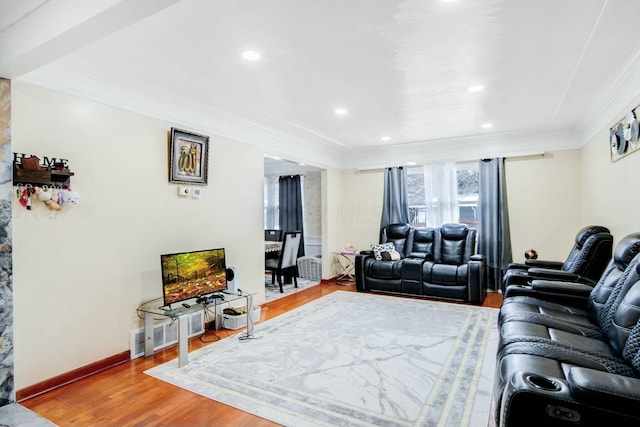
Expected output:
(346, 264)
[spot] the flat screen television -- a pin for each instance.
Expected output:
(187, 275)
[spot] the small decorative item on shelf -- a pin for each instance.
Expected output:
(31, 163)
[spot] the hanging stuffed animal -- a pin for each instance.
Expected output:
(47, 198)
(59, 197)
(71, 196)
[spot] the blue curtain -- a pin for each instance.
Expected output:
(290, 202)
(395, 209)
(494, 237)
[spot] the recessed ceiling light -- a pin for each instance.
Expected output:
(341, 111)
(251, 55)
(486, 125)
(386, 138)
(476, 88)
(411, 163)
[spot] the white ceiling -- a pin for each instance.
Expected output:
(553, 70)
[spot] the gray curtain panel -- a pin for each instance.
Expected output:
(395, 208)
(290, 202)
(494, 237)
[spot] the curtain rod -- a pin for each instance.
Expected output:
(461, 160)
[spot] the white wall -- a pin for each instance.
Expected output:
(610, 188)
(312, 191)
(312, 199)
(361, 207)
(79, 277)
(544, 194)
(337, 230)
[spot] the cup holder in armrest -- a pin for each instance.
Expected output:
(543, 383)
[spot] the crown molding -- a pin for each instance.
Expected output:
(76, 82)
(294, 142)
(468, 148)
(622, 95)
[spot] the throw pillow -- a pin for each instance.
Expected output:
(385, 256)
(395, 255)
(383, 247)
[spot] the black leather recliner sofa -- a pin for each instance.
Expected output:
(433, 262)
(585, 263)
(576, 364)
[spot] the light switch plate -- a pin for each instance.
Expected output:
(183, 191)
(195, 193)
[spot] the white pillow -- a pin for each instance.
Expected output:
(383, 247)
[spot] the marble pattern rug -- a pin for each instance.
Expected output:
(355, 359)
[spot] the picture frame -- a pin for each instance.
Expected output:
(624, 136)
(188, 157)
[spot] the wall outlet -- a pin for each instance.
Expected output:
(183, 191)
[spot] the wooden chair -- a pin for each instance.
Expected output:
(287, 262)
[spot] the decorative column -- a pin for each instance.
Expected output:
(7, 388)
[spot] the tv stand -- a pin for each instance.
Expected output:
(154, 308)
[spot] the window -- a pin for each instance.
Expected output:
(468, 187)
(440, 193)
(271, 203)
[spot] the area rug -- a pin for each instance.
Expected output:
(272, 291)
(15, 415)
(354, 359)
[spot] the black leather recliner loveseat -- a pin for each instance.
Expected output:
(433, 262)
(578, 364)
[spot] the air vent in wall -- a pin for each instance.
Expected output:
(165, 333)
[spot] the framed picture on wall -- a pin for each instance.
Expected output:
(188, 157)
(624, 137)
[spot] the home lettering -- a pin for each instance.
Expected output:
(46, 161)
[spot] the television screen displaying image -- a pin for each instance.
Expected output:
(189, 275)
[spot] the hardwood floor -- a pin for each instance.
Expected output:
(125, 396)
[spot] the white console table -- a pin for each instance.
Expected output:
(177, 312)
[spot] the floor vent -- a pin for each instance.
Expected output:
(165, 333)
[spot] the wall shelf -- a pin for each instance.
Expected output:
(43, 176)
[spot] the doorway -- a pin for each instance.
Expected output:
(309, 261)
